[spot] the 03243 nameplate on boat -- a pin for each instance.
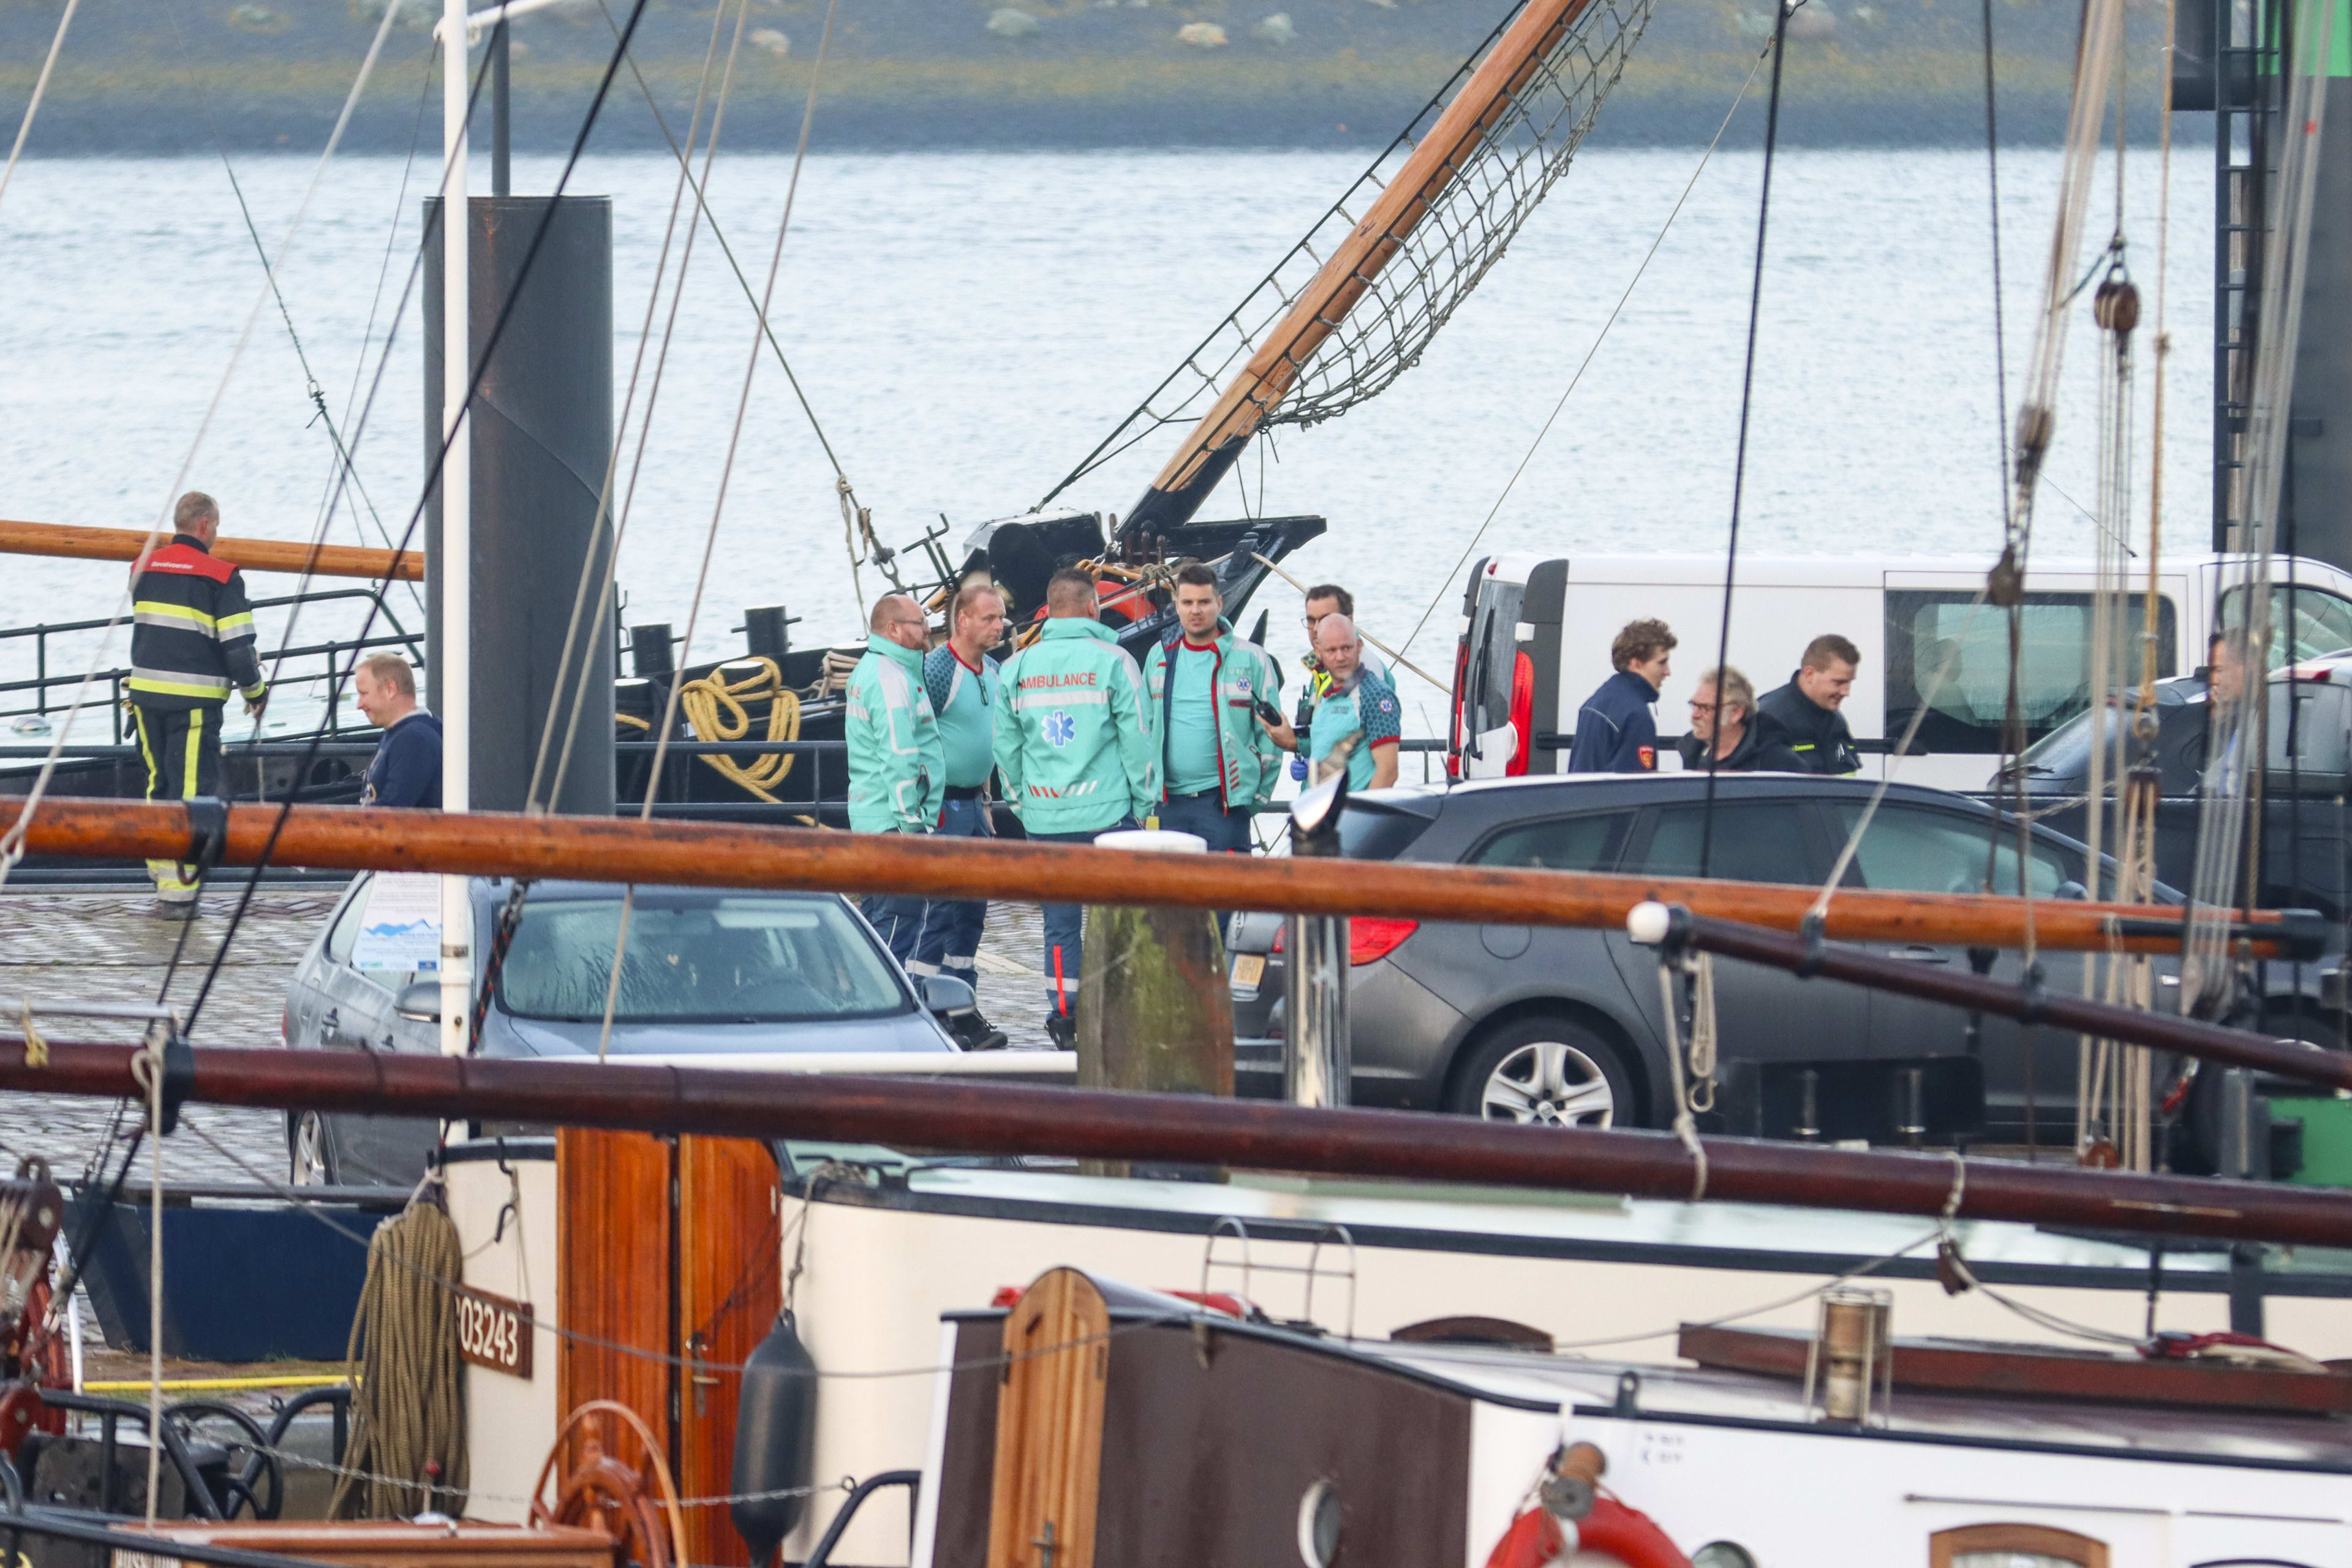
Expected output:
(495, 1332)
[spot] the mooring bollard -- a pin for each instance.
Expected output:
(1155, 1009)
(1317, 1051)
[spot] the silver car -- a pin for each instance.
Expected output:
(705, 972)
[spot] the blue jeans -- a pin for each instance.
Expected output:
(1205, 814)
(1066, 926)
(951, 926)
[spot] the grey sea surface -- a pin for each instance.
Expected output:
(968, 325)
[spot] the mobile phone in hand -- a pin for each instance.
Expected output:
(1268, 712)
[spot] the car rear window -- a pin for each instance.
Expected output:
(1587, 843)
(697, 958)
(1371, 832)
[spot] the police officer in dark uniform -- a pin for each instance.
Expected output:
(1803, 715)
(192, 644)
(1615, 731)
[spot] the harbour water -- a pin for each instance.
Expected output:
(968, 324)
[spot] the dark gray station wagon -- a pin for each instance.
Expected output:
(1536, 1023)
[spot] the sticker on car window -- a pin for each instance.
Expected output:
(401, 932)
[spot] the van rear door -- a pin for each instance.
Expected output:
(1491, 741)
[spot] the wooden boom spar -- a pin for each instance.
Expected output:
(713, 855)
(73, 542)
(1193, 1130)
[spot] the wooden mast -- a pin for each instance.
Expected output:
(1433, 165)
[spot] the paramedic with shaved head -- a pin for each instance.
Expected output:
(897, 768)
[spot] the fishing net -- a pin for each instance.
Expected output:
(1436, 250)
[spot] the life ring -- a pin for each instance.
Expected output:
(1538, 1538)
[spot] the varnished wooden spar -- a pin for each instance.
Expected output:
(1195, 1129)
(1982, 994)
(1434, 163)
(77, 543)
(713, 855)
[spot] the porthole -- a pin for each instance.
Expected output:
(1318, 1525)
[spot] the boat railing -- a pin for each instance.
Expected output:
(334, 658)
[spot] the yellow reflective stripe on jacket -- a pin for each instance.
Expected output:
(156, 613)
(237, 624)
(209, 691)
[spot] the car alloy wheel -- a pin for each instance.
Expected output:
(309, 1163)
(1551, 1083)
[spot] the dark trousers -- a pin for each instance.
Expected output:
(898, 920)
(182, 749)
(1205, 816)
(951, 926)
(1065, 927)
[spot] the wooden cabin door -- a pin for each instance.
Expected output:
(668, 1252)
(1049, 1425)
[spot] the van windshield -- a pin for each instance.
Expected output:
(1948, 653)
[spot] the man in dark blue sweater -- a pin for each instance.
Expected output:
(406, 769)
(1615, 731)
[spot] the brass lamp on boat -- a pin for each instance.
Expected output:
(1850, 1363)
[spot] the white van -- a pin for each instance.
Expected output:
(1535, 632)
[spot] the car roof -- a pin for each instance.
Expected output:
(1576, 789)
(556, 887)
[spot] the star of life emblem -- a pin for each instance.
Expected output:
(1060, 728)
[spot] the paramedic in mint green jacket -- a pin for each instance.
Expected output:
(898, 772)
(1075, 747)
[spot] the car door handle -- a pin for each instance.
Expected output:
(1919, 952)
(331, 1026)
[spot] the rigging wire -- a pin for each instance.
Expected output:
(817, 427)
(1599, 338)
(40, 90)
(2222, 822)
(1781, 12)
(12, 843)
(315, 393)
(1992, 210)
(383, 361)
(718, 510)
(579, 681)
(441, 452)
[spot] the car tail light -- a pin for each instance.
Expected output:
(1523, 711)
(1371, 938)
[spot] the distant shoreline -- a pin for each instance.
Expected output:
(1083, 74)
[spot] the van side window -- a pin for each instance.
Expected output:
(1564, 844)
(1947, 654)
(2304, 623)
(1751, 841)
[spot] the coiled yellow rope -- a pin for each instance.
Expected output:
(715, 707)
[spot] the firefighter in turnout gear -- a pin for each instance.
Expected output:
(1077, 754)
(192, 644)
